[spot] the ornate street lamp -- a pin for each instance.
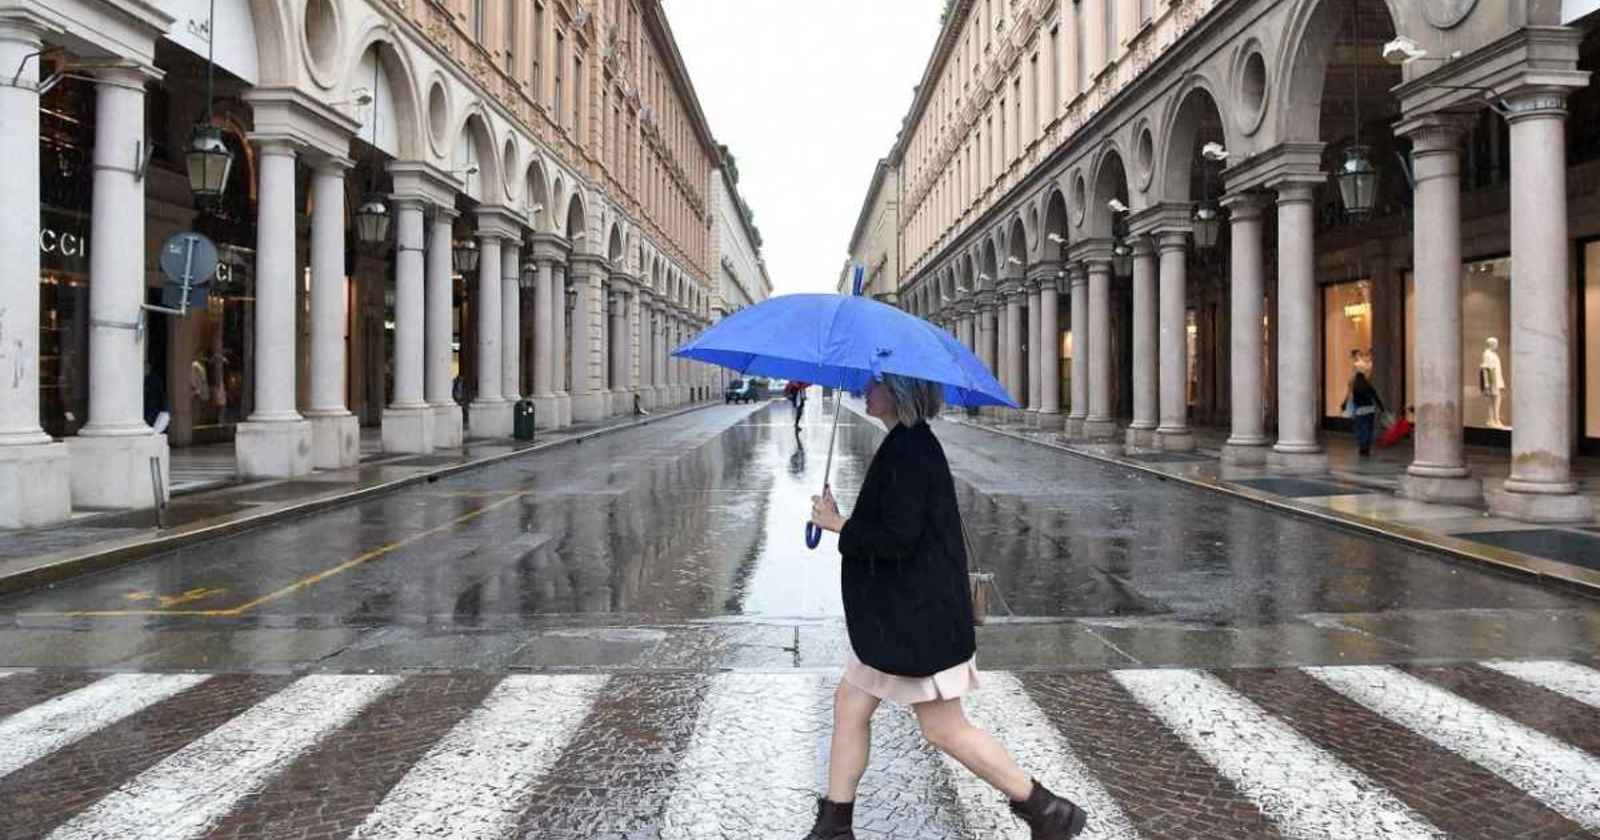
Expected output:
(1207, 225)
(526, 277)
(208, 157)
(464, 256)
(1358, 184)
(1122, 257)
(372, 221)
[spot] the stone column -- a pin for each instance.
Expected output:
(440, 332)
(1439, 471)
(335, 432)
(647, 348)
(1173, 434)
(546, 411)
(1035, 392)
(968, 328)
(111, 454)
(511, 321)
(1540, 488)
(621, 364)
(658, 324)
(588, 403)
(1101, 422)
(35, 472)
(987, 339)
(489, 416)
(561, 345)
(1078, 415)
(408, 421)
(1146, 347)
(276, 441)
(1049, 354)
(1299, 335)
(1248, 444)
(1013, 345)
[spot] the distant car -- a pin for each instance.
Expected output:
(739, 390)
(762, 386)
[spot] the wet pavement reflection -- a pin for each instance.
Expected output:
(698, 520)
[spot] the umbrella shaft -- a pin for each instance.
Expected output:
(827, 471)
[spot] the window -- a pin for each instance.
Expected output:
(577, 97)
(560, 67)
(1033, 101)
(1001, 142)
(1016, 122)
(1110, 14)
(535, 80)
(618, 156)
(1081, 47)
(510, 37)
(1147, 9)
(477, 20)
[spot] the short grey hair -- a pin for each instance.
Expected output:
(915, 400)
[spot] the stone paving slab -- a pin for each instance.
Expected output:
(1479, 751)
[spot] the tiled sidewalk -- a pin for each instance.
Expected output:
(208, 501)
(1359, 492)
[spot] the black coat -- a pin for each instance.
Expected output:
(907, 601)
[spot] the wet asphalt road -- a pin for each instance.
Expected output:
(679, 546)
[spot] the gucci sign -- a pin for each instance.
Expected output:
(65, 244)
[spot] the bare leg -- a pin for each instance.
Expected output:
(946, 727)
(852, 741)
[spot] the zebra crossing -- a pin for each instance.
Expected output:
(1487, 750)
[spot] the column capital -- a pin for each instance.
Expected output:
(1535, 100)
(1297, 190)
(131, 75)
(1078, 274)
(331, 165)
(1244, 205)
(424, 180)
(1433, 131)
(546, 247)
(1092, 249)
(1172, 240)
(499, 222)
(1143, 246)
(291, 114)
(276, 146)
(26, 26)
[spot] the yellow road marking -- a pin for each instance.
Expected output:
(298, 585)
(168, 601)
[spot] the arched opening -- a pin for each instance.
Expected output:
(1016, 251)
(576, 224)
(1054, 247)
(988, 269)
(537, 193)
(473, 161)
(1102, 218)
(614, 248)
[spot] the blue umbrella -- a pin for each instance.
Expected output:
(844, 343)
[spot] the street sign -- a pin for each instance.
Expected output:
(189, 260)
(855, 282)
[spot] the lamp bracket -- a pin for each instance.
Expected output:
(142, 154)
(137, 326)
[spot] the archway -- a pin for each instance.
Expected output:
(473, 161)
(1109, 191)
(537, 192)
(1054, 247)
(1016, 250)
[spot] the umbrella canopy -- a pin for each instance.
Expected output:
(843, 342)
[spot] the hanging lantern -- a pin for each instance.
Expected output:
(464, 255)
(372, 221)
(525, 277)
(1358, 184)
(209, 162)
(1207, 223)
(1122, 258)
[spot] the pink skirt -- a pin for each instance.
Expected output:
(949, 684)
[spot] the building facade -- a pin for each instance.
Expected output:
(876, 244)
(742, 278)
(427, 204)
(1150, 214)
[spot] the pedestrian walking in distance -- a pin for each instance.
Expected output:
(1363, 402)
(908, 608)
(795, 391)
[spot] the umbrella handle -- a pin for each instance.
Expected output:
(813, 535)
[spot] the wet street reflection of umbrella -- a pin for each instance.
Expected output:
(843, 343)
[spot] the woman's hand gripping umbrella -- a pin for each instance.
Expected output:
(844, 343)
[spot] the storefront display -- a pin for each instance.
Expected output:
(1486, 365)
(66, 148)
(1347, 340)
(1589, 264)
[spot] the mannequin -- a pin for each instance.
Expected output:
(1492, 381)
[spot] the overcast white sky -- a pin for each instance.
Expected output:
(808, 94)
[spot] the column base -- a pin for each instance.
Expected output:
(113, 472)
(1074, 427)
(335, 440)
(1540, 508)
(449, 426)
(1051, 421)
(546, 412)
(1175, 440)
(1140, 438)
(647, 397)
(1245, 454)
(1297, 462)
(588, 408)
(410, 430)
(1029, 417)
(490, 419)
(1098, 429)
(36, 485)
(564, 401)
(273, 448)
(1453, 490)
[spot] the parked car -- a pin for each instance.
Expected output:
(739, 390)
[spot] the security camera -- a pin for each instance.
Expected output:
(1117, 206)
(1213, 151)
(1403, 50)
(363, 97)
(1013, 261)
(535, 209)
(472, 169)
(984, 277)
(1056, 238)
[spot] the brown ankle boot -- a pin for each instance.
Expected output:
(833, 821)
(1049, 816)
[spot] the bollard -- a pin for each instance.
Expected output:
(158, 492)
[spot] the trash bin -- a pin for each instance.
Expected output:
(522, 420)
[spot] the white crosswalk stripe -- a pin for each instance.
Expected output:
(1565, 678)
(1561, 776)
(1306, 791)
(757, 792)
(190, 790)
(1003, 709)
(474, 784)
(37, 731)
(756, 757)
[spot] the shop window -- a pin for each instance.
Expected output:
(1591, 350)
(1066, 366)
(1486, 369)
(1347, 340)
(1191, 340)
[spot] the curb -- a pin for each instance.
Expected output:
(1569, 576)
(64, 565)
